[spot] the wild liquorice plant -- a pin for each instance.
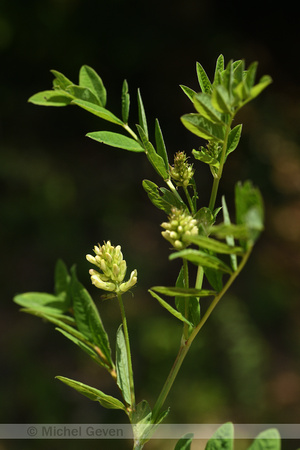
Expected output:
(202, 235)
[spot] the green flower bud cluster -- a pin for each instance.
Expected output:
(181, 172)
(109, 260)
(180, 223)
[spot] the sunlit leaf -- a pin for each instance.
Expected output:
(89, 78)
(98, 111)
(51, 98)
(116, 140)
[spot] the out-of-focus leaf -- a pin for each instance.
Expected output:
(229, 239)
(249, 210)
(185, 442)
(267, 440)
(222, 439)
(116, 140)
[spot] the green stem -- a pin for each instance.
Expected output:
(126, 336)
(218, 176)
(186, 301)
(131, 132)
(185, 345)
(187, 194)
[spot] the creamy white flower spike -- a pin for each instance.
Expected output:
(109, 260)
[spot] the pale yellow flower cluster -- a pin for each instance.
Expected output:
(109, 260)
(180, 223)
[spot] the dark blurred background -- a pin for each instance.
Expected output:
(61, 193)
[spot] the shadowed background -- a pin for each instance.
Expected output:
(61, 193)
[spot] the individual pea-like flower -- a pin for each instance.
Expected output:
(182, 172)
(109, 259)
(180, 223)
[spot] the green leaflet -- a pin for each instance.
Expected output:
(93, 394)
(160, 197)
(267, 440)
(83, 93)
(116, 140)
(185, 442)
(188, 92)
(43, 302)
(183, 292)
(142, 115)
(88, 78)
(203, 105)
(221, 100)
(51, 98)
(233, 139)
(88, 319)
(203, 79)
(219, 68)
(249, 210)
(169, 308)
(203, 127)
(212, 244)
(122, 366)
(193, 302)
(206, 158)
(98, 111)
(125, 102)
(229, 239)
(156, 160)
(60, 81)
(201, 259)
(222, 439)
(160, 144)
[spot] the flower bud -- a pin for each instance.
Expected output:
(182, 172)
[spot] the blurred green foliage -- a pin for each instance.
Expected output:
(60, 193)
